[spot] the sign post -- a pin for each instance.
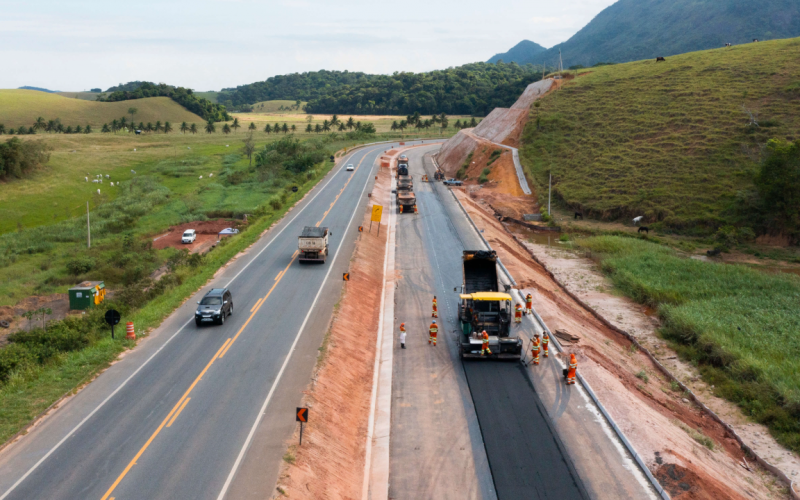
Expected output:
(112, 318)
(302, 417)
(377, 211)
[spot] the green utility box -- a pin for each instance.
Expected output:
(86, 295)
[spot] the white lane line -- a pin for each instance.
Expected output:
(263, 409)
(123, 384)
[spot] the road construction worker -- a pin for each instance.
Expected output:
(545, 342)
(518, 314)
(573, 367)
(403, 335)
(529, 304)
(535, 348)
(485, 348)
(435, 313)
(434, 331)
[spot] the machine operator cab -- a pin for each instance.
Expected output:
(491, 312)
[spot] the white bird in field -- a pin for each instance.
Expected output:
(98, 191)
(133, 171)
(201, 176)
(108, 176)
(134, 149)
(87, 179)
(187, 147)
(211, 175)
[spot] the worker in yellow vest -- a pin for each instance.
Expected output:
(545, 342)
(518, 314)
(435, 313)
(535, 348)
(485, 347)
(529, 304)
(433, 331)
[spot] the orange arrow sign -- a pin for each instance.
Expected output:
(302, 414)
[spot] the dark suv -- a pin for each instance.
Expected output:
(215, 307)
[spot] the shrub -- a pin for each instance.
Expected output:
(14, 357)
(80, 265)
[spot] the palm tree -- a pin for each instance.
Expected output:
(193, 128)
(78, 129)
(141, 126)
(122, 123)
(210, 129)
(342, 127)
(226, 129)
(158, 126)
(88, 129)
(252, 126)
(59, 126)
(235, 125)
(458, 124)
(149, 127)
(39, 124)
(184, 127)
(317, 128)
(132, 111)
(114, 125)
(294, 128)
(334, 120)
(473, 123)
(309, 128)
(394, 126)
(167, 128)
(403, 124)
(285, 128)
(68, 131)
(105, 128)
(350, 123)
(268, 129)
(2, 129)
(326, 126)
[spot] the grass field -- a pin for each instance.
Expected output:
(22, 107)
(210, 95)
(738, 324)
(667, 140)
(86, 96)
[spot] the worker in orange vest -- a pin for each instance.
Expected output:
(434, 331)
(435, 313)
(535, 348)
(485, 348)
(528, 304)
(545, 342)
(573, 367)
(403, 335)
(518, 314)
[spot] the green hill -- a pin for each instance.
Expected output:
(630, 30)
(667, 140)
(523, 51)
(22, 107)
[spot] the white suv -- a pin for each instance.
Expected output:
(350, 167)
(189, 236)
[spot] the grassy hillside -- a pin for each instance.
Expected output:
(86, 96)
(273, 107)
(22, 107)
(667, 140)
(210, 95)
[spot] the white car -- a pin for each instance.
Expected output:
(350, 167)
(189, 236)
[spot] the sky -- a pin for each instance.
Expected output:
(213, 44)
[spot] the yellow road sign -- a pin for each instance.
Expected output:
(377, 211)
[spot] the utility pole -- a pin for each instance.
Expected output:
(88, 228)
(549, 189)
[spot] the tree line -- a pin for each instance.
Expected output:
(51, 126)
(472, 89)
(185, 97)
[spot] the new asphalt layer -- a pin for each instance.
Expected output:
(205, 412)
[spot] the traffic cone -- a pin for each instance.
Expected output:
(130, 334)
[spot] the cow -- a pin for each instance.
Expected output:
(660, 59)
(755, 40)
(578, 215)
(713, 253)
(644, 229)
(728, 44)
(636, 220)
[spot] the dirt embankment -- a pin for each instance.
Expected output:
(694, 456)
(330, 464)
(58, 303)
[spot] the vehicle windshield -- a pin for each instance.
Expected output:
(211, 301)
(187, 233)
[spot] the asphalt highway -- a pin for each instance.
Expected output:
(204, 413)
(524, 452)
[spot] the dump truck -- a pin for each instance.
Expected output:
(482, 307)
(313, 244)
(406, 201)
(405, 183)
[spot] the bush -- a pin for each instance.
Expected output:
(14, 357)
(80, 265)
(483, 178)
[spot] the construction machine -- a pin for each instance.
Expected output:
(482, 307)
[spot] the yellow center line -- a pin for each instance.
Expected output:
(175, 417)
(168, 417)
(256, 304)
(176, 410)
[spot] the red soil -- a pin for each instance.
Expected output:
(207, 232)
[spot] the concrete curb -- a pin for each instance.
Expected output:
(653, 481)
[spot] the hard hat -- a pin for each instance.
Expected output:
(536, 334)
(434, 322)
(402, 324)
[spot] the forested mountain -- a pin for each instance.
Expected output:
(472, 89)
(524, 50)
(631, 30)
(185, 97)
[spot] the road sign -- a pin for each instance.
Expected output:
(360, 229)
(346, 277)
(112, 318)
(302, 415)
(377, 211)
